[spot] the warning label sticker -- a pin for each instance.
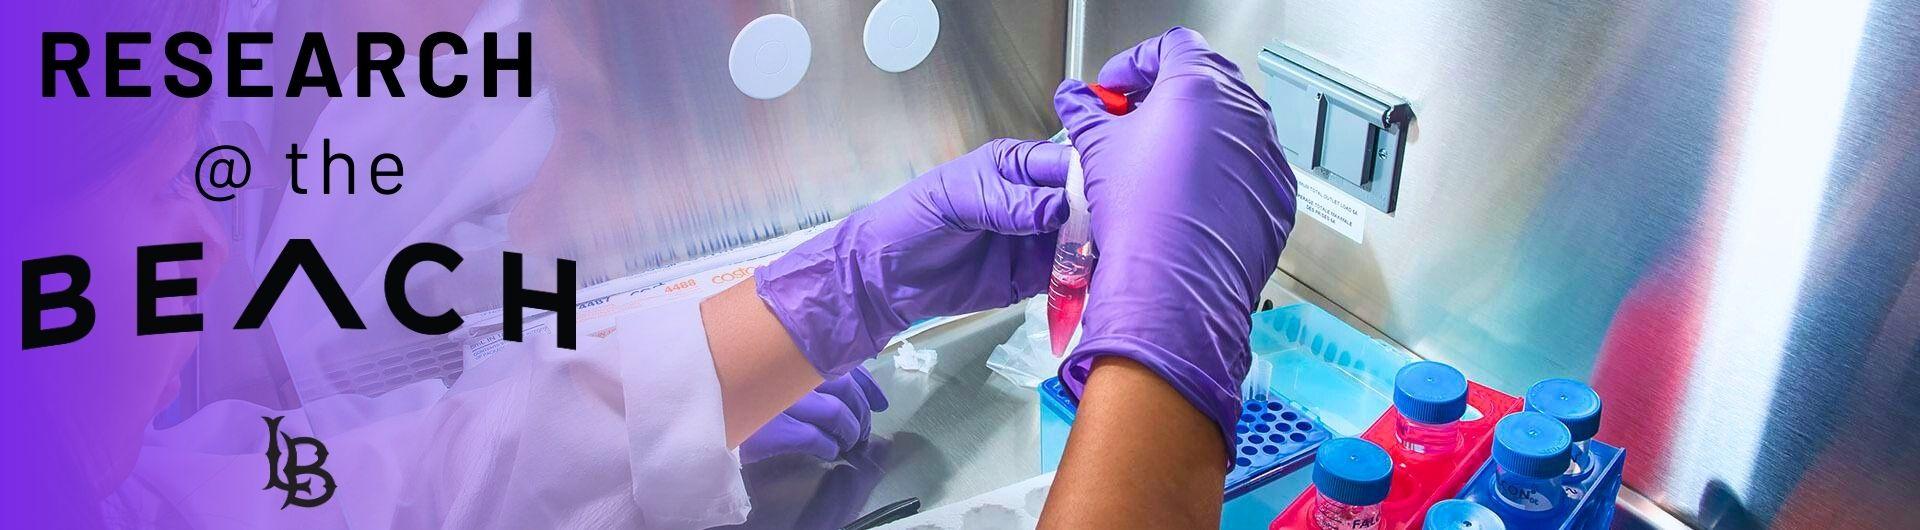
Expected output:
(1334, 208)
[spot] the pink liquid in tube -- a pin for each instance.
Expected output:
(1072, 264)
(1067, 292)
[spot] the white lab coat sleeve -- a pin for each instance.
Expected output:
(683, 473)
(623, 432)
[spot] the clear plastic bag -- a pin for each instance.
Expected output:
(1026, 358)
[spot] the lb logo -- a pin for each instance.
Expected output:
(287, 478)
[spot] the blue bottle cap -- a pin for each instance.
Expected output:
(1352, 471)
(1572, 402)
(1532, 444)
(1457, 514)
(1430, 393)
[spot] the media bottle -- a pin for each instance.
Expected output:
(1530, 453)
(1577, 407)
(1459, 514)
(1350, 479)
(1431, 397)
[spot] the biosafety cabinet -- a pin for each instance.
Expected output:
(1706, 209)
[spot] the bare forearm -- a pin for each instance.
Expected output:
(1140, 456)
(761, 370)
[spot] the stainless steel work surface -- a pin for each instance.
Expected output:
(947, 435)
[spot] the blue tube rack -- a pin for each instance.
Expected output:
(1272, 438)
(1588, 506)
(1323, 369)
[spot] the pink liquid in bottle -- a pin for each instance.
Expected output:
(1067, 292)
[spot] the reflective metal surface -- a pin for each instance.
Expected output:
(947, 435)
(637, 152)
(1706, 208)
(659, 158)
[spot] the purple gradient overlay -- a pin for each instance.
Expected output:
(112, 430)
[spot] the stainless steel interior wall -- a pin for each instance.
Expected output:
(1708, 209)
(655, 156)
(681, 164)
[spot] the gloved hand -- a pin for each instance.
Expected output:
(974, 233)
(1191, 202)
(824, 424)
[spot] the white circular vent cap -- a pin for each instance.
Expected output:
(769, 56)
(900, 33)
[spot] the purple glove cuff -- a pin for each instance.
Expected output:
(814, 290)
(1219, 403)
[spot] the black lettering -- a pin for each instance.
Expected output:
(299, 255)
(327, 158)
(396, 53)
(427, 82)
(192, 58)
(51, 64)
(494, 64)
(203, 77)
(294, 156)
(293, 484)
(116, 64)
(517, 299)
(403, 311)
(149, 289)
(374, 173)
(312, 46)
(238, 64)
(34, 301)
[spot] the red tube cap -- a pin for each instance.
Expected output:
(1115, 102)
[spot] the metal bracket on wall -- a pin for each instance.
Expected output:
(1347, 133)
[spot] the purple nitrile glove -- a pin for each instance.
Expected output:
(824, 424)
(974, 233)
(1190, 204)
